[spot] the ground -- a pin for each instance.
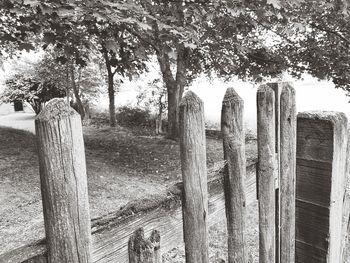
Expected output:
(122, 166)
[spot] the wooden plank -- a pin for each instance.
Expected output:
(234, 174)
(267, 168)
(346, 208)
(63, 183)
(277, 88)
(288, 120)
(110, 234)
(194, 176)
(321, 154)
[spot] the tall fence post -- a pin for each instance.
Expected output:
(143, 250)
(234, 175)
(63, 183)
(346, 207)
(287, 173)
(266, 173)
(277, 88)
(321, 158)
(194, 175)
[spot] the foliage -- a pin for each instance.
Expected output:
(25, 88)
(129, 116)
(47, 78)
(318, 43)
(153, 96)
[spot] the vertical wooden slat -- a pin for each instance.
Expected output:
(142, 250)
(63, 183)
(287, 173)
(194, 175)
(277, 88)
(234, 175)
(346, 206)
(321, 153)
(266, 172)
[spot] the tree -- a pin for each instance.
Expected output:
(48, 78)
(317, 42)
(154, 97)
(25, 88)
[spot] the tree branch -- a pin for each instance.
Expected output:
(328, 30)
(138, 35)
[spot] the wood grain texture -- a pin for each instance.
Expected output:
(320, 173)
(346, 207)
(287, 168)
(142, 250)
(234, 174)
(194, 176)
(63, 183)
(266, 173)
(277, 88)
(111, 233)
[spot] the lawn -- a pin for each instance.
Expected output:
(123, 165)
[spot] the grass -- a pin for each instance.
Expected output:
(122, 166)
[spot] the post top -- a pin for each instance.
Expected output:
(332, 116)
(265, 88)
(191, 99)
(231, 95)
(56, 108)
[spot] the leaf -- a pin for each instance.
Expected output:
(190, 45)
(275, 3)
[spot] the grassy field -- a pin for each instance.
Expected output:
(122, 166)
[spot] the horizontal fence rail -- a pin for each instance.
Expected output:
(110, 234)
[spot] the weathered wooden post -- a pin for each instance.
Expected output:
(194, 175)
(287, 156)
(234, 175)
(266, 170)
(63, 183)
(143, 250)
(277, 88)
(346, 207)
(321, 154)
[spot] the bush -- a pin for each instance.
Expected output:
(135, 117)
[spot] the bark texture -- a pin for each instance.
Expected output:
(63, 183)
(266, 171)
(234, 174)
(194, 175)
(287, 173)
(143, 250)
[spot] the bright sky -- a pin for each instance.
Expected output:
(311, 94)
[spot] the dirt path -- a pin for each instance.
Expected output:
(20, 120)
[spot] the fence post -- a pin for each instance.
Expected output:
(194, 175)
(63, 183)
(234, 175)
(321, 158)
(266, 173)
(346, 207)
(277, 88)
(143, 250)
(287, 173)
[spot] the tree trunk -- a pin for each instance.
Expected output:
(111, 92)
(76, 93)
(173, 110)
(175, 87)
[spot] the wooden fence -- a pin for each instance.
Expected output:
(300, 181)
